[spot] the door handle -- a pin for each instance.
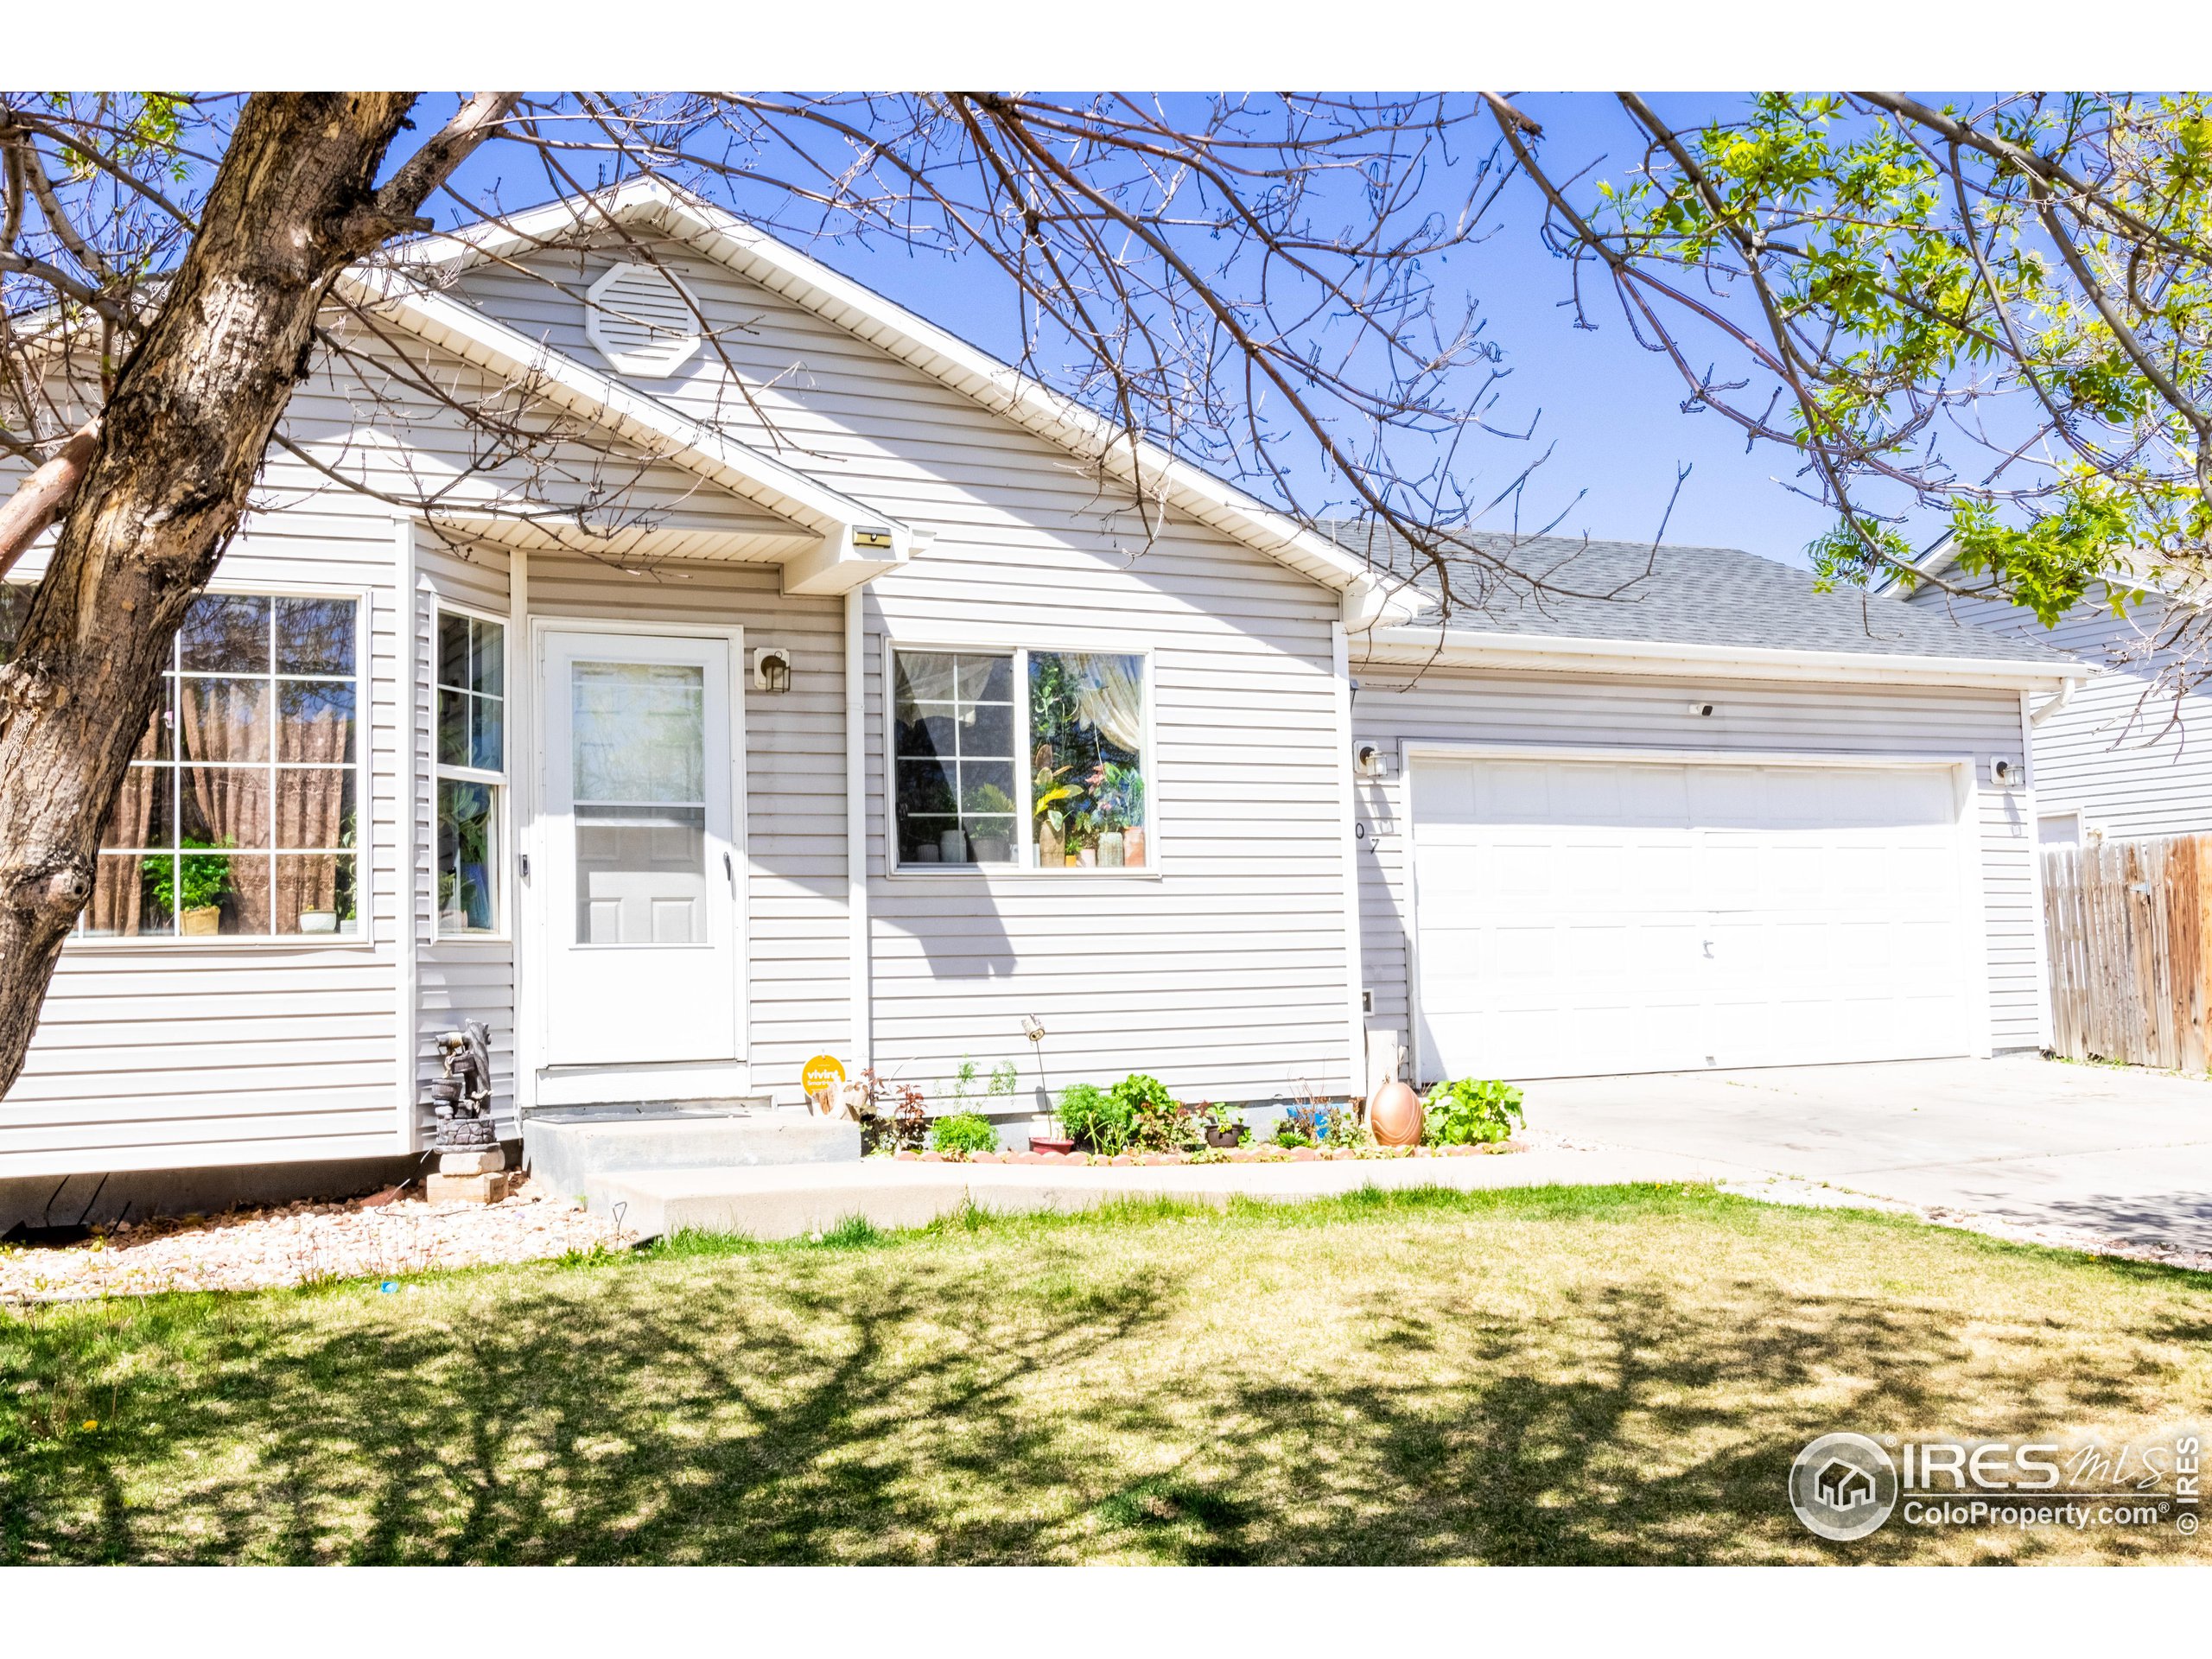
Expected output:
(730, 872)
(1708, 947)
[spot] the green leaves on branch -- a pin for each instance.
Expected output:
(2004, 315)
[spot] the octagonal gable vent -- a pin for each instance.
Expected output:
(642, 321)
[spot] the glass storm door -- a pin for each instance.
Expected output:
(638, 894)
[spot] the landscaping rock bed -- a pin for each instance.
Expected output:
(302, 1243)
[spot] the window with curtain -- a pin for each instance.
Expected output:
(1020, 758)
(472, 772)
(238, 816)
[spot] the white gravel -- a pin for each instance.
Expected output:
(302, 1243)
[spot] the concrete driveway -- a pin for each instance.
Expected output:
(2123, 1154)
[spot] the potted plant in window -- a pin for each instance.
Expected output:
(194, 894)
(1050, 808)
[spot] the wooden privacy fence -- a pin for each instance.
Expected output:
(2129, 933)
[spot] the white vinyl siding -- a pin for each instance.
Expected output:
(1441, 706)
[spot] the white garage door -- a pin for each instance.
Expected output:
(1584, 916)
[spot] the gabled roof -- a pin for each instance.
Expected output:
(1711, 609)
(715, 234)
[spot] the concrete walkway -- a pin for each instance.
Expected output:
(2088, 1150)
(787, 1201)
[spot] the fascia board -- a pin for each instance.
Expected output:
(1557, 654)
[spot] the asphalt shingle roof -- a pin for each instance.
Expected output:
(1672, 595)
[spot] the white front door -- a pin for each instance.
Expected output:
(637, 897)
(1588, 917)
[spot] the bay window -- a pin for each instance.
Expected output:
(1020, 757)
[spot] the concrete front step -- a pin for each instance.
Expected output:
(567, 1152)
(793, 1200)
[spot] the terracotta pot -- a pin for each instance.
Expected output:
(1393, 1114)
(1047, 1143)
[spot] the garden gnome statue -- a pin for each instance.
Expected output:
(472, 1166)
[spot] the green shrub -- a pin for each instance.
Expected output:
(1470, 1112)
(964, 1131)
(1093, 1117)
(1155, 1122)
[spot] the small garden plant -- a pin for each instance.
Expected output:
(1471, 1112)
(1093, 1119)
(1155, 1122)
(965, 1132)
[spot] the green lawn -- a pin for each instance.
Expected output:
(1563, 1375)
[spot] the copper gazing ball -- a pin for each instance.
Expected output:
(1394, 1113)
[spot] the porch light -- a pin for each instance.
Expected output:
(771, 669)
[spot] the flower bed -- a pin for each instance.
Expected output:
(1265, 1153)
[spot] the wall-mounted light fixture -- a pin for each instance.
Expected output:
(771, 669)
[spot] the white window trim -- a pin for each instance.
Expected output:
(365, 817)
(500, 781)
(1025, 864)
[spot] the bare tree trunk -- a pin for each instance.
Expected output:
(180, 444)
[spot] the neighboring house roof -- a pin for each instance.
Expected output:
(2143, 575)
(1517, 598)
(710, 232)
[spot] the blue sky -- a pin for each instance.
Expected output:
(1608, 411)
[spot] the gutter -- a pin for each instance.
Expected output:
(1563, 653)
(2058, 700)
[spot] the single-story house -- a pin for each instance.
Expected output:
(884, 725)
(2126, 755)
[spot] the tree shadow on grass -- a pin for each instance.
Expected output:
(919, 1405)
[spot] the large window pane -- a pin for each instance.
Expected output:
(131, 897)
(145, 809)
(315, 894)
(225, 633)
(223, 806)
(314, 807)
(954, 731)
(314, 719)
(467, 884)
(314, 636)
(486, 658)
(223, 720)
(1087, 774)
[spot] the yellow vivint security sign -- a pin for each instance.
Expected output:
(822, 1073)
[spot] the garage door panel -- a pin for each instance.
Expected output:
(1607, 916)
